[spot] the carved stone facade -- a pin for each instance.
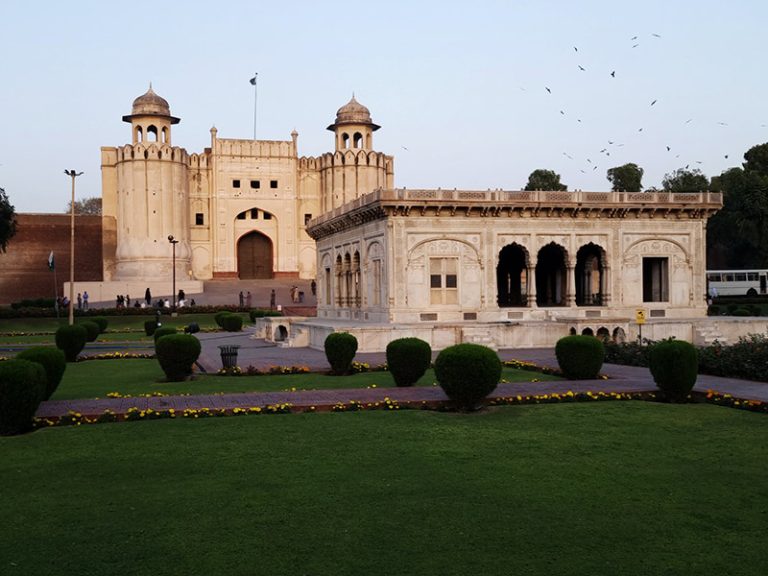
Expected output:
(466, 259)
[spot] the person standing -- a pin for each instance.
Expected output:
(79, 301)
(241, 298)
(85, 300)
(148, 296)
(313, 287)
(272, 299)
(248, 299)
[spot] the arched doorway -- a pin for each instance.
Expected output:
(589, 275)
(551, 276)
(254, 256)
(512, 276)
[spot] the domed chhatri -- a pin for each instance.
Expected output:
(353, 113)
(150, 104)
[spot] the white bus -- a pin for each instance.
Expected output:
(736, 282)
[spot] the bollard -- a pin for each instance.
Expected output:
(229, 355)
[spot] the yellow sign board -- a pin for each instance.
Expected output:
(640, 316)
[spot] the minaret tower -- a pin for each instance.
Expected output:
(354, 169)
(152, 196)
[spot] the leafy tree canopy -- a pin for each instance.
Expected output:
(88, 206)
(626, 178)
(683, 180)
(544, 180)
(7, 220)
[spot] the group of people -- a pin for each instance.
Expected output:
(245, 299)
(123, 301)
(82, 301)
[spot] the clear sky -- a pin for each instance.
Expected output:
(459, 88)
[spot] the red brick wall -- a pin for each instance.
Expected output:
(24, 267)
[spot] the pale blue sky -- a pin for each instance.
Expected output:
(458, 87)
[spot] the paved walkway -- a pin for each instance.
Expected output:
(261, 354)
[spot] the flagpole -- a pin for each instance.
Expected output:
(254, 81)
(55, 287)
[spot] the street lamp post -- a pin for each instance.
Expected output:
(72, 174)
(173, 243)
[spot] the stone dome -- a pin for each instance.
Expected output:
(150, 104)
(353, 113)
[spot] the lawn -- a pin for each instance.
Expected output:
(96, 378)
(628, 488)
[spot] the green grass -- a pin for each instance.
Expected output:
(95, 378)
(626, 488)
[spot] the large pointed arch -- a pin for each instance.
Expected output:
(512, 276)
(551, 276)
(254, 256)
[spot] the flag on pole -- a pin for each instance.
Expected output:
(51, 264)
(253, 80)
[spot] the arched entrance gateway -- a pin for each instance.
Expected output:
(254, 256)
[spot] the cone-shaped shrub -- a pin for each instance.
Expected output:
(467, 373)
(580, 357)
(219, 317)
(22, 388)
(163, 331)
(71, 341)
(177, 354)
(408, 359)
(340, 349)
(232, 323)
(674, 365)
(92, 330)
(53, 362)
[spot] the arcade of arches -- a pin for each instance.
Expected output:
(557, 282)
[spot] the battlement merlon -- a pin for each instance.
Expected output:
(518, 203)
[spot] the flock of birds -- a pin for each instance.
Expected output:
(611, 145)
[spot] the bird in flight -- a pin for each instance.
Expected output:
(635, 45)
(654, 102)
(668, 148)
(561, 112)
(613, 74)
(688, 121)
(547, 89)
(722, 124)
(403, 147)
(656, 35)
(575, 49)
(640, 130)
(726, 156)
(633, 38)
(582, 68)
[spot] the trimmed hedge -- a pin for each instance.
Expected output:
(92, 330)
(580, 357)
(22, 388)
(53, 362)
(163, 331)
(71, 340)
(232, 322)
(408, 359)
(101, 321)
(674, 365)
(177, 354)
(262, 313)
(467, 373)
(340, 350)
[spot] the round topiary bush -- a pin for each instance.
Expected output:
(149, 327)
(232, 323)
(467, 373)
(53, 362)
(408, 359)
(22, 388)
(163, 331)
(580, 357)
(255, 313)
(674, 365)
(177, 354)
(219, 317)
(92, 330)
(71, 340)
(101, 321)
(340, 349)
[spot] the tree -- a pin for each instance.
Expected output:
(7, 220)
(626, 178)
(87, 206)
(683, 180)
(544, 180)
(737, 236)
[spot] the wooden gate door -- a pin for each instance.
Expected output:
(254, 256)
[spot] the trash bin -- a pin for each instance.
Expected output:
(229, 355)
